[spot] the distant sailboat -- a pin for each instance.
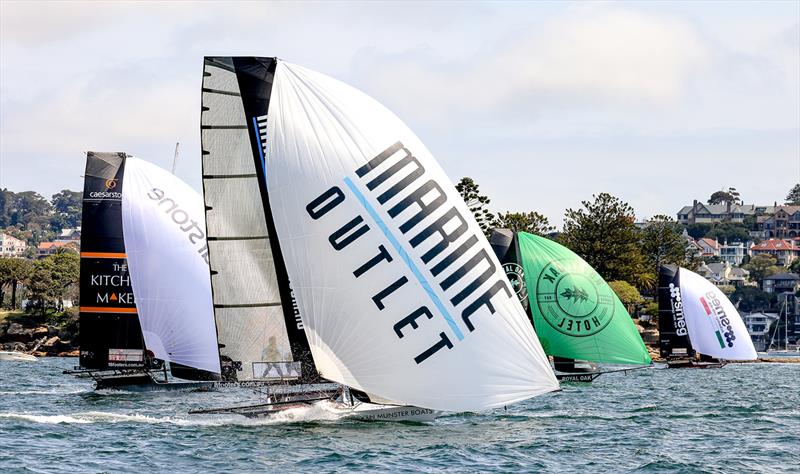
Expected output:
(398, 296)
(695, 317)
(143, 235)
(577, 316)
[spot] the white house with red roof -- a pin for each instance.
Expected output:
(710, 247)
(784, 250)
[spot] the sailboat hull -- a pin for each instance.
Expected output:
(16, 356)
(375, 412)
(691, 364)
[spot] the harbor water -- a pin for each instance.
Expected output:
(741, 418)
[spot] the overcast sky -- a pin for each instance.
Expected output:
(543, 104)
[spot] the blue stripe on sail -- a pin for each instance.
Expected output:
(405, 257)
(260, 149)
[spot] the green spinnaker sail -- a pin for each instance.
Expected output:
(575, 313)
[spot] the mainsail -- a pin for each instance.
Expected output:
(164, 228)
(110, 335)
(575, 312)
(673, 333)
(712, 324)
(398, 291)
(260, 335)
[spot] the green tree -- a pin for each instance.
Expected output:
(761, 266)
(13, 271)
(626, 293)
(67, 206)
(477, 203)
(54, 279)
(530, 222)
(663, 243)
(730, 195)
(793, 198)
(795, 266)
(603, 233)
(728, 232)
(749, 298)
(697, 231)
(727, 289)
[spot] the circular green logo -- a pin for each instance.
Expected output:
(573, 299)
(516, 275)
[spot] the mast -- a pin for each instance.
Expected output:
(260, 335)
(110, 335)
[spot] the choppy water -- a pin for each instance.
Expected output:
(739, 418)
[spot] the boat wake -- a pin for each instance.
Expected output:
(313, 413)
(45, 392)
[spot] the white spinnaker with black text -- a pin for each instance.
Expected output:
(380, 314)
(163, 224)
(715, 327)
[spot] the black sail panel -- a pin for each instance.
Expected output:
(674, 336)
(110, 335)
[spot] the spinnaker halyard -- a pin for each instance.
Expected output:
(143, 234)
(696, 318)
(576, 314)
(400, 297)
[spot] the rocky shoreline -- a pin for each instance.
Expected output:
(39, 340)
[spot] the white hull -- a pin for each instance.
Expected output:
(16, 356)
(375, 412)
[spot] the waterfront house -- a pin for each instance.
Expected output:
(12, 246)
(783, 250)
(782, 283)
(49, 248)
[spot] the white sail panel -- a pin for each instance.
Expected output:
(164, 229)
(715, 327)
(400, 293)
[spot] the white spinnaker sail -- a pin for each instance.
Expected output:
(163, 225)
(715, 327)
(400, 293)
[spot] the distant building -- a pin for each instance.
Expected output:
(781, 283)
(12, 246)
(783, 223)
(733, 253)
(709, 247)
(783, 250)
(724, 274)
(69, 235)
(49, 248)
(760, 326)
(699, 213)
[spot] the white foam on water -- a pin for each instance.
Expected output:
(323, 411)
(45, 392)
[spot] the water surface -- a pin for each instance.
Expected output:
(742, 418)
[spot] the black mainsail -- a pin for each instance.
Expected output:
(110, 336)
(260, 333)
(674, 340)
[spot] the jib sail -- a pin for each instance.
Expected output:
(575, 312)
(164, 228)
(400, 293)
(260, 335)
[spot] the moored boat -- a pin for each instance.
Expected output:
(17, 356)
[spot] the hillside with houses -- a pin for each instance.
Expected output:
(751, 251)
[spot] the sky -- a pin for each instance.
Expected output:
(544, 104)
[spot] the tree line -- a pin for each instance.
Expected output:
(29, 216)
(604, 233)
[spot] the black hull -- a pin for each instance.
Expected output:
(583, 377)
(691, 364)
